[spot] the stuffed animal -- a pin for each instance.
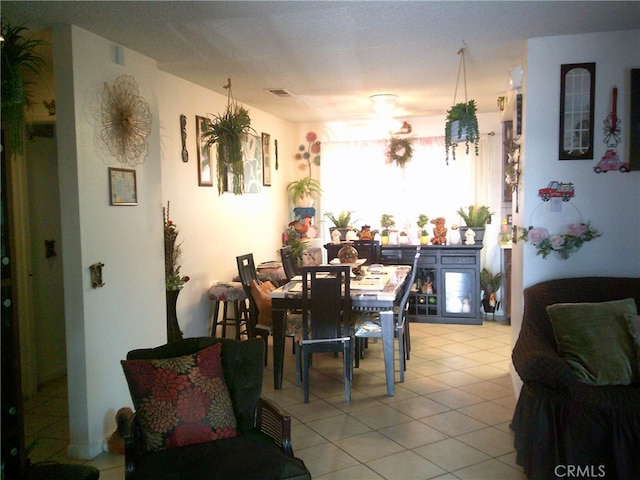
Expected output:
(116, 441)
(439, 231)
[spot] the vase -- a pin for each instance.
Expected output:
(348, 254)
(173, 329)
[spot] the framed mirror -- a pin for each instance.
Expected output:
(577, 95)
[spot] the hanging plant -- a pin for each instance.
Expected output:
(464, 113)
(400, 151)
(228, 131)
(465, 129)
(18, 58)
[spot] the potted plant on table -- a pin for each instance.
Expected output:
(475, 217)
(422, 222)
(342, 222)
(490, 284)
(461, 125)
(386, 222)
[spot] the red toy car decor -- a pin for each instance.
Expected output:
(611, 161)
(557, 189)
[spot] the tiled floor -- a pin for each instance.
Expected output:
(449, 420)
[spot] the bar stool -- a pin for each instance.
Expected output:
(226, 293)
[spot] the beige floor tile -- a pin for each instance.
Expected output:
(451, 454)
(486, 390)
(418, 407)
(453, 423)
(489, 440)
(381, 417)
(358, 472)
(338, 427)
(490, 470)
(456, 378)
(302, 437)
(405, 465)
(488, 412)
(369, 446)
(325, 458)
(412, 434)
(455, 398)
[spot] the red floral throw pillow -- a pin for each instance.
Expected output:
(181, 401)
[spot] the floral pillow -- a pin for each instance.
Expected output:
(181, 401)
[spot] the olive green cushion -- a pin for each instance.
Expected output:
(595, 340)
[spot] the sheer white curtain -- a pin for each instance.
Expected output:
(356, 176)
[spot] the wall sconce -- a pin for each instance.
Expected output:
(96, 275)
(515, 78)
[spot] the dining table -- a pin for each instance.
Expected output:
(373, 288)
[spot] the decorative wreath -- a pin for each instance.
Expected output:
(563, 244)
(400, 151)
(126, 121)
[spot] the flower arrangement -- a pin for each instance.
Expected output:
(298, 244)
(172, 254)
(310, 153)
(565, 244)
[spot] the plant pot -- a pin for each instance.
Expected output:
(173, 329)
(305, 201)
(424, 239)
(343, 232)
(384, 239)
(454, 132)
(403, 239)
(479, 234)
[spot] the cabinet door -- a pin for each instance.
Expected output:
(459, 292)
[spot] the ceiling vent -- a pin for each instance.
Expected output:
(279, 92)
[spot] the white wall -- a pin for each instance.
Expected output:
(216, 228)
(611, 201)
(103, 324)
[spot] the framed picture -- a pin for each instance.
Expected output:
(577, 96)
(266, 159)
(205, 160)
(122, 186)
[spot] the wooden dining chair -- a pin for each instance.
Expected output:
(326, 321)
(288, 262)
(368, 324)
(260, 303)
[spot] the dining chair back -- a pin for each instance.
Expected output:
(368, 324)
(325, 321)
(369, 249)
(288, 262)
(247, 272)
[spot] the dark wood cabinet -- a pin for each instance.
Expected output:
(447, 287)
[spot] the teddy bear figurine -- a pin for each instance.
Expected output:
(439, 231)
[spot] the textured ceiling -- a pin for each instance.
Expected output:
(333, 55)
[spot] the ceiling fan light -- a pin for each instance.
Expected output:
(384, 104)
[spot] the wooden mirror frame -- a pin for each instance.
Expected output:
(577, 100)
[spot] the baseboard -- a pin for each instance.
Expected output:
(84, 452)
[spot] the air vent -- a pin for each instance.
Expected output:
(279, 92)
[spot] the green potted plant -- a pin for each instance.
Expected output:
(228, 131)
(422, 222)
(490, 284)
(461, 125)
(19, 57)
(386, 222)
(300, 191)
(475, 217)
(341, 221)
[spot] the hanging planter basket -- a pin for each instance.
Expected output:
(228, 131)
(461, 124)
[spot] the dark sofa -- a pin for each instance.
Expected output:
(565, 428)
(263, 448)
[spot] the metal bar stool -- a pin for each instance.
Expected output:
(225, 293)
